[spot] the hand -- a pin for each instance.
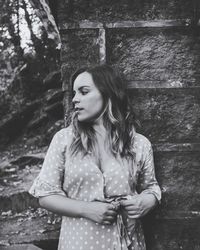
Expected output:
(101, 212)
(138, 205)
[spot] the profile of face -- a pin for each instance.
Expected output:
(88, 101)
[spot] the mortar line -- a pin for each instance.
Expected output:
(102, 45)
(128, 24)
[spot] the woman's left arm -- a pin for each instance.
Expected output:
(149, 193)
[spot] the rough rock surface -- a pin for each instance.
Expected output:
(15, 229)
(112, 11)
(156, 54)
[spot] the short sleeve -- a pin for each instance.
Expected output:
(147, 182)
(50, 178)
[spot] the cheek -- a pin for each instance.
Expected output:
(93, 108)
(98, 104)
(95, 104)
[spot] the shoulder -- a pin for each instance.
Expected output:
(64, 135)
(141, 141)
(142, 147)
(64, 132)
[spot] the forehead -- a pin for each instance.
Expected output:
(84, 79)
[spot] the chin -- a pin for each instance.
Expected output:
(86, 120)
(82, 119)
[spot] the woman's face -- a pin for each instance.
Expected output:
(87, 100)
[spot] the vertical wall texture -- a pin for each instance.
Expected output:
(157, 46)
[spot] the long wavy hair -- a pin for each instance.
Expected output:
(118, 118)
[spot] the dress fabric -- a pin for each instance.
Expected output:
(80, 178)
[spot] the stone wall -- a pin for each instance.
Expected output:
(156, 44)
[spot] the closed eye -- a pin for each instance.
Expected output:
(84, 92)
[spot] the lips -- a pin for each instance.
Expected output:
(78, 109)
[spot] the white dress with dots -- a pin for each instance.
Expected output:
(80, 178)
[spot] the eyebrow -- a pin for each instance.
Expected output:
(85, 86)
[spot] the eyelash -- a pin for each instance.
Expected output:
(84, 92)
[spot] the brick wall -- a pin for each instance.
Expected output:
(156, 44)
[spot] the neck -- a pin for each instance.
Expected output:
(99, 127)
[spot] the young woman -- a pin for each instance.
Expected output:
(98, 172)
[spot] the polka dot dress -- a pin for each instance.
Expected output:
(80, 178)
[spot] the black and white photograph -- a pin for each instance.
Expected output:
(100, 125)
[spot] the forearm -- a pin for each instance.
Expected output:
(149, 201)
(63, 206)
(99, 212)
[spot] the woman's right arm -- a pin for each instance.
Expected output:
(99, 212)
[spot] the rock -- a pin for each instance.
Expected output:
(27, 227)
(15, 196)
(149, 54)
(168, 115)
(20, 247)
(111, 11)
(174, 230)
(178, 175)
(80, 48)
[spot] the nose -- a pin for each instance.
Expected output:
(75, 99)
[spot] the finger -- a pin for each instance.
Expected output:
(133, 212)
(111, 212)
(110, 217)
(135, 204)
(131, 208)
(129, 205)
(125, 203)
(136, 216)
